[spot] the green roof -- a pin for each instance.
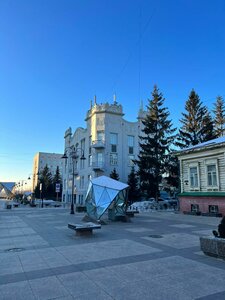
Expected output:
(202, 194)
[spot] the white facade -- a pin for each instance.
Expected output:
(41, 159)
(108, 142)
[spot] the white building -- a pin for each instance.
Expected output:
(107, 142)
(41, 159)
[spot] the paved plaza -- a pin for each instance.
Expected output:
(155, 256)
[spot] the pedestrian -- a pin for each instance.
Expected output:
(221, 229)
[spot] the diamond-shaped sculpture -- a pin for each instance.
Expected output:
(106, 193)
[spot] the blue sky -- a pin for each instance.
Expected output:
(55, 55)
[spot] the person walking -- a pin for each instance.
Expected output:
(221, 229)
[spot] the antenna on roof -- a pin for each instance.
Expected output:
(114, 99)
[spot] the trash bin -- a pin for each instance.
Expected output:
(8, 206)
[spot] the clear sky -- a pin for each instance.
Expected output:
(55, 55)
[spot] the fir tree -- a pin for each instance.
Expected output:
(133, 192)
(219, 116)
(114, 174)
(57, 179)
(57, 176)
(197, 124)
(173, 171)
(155, 145)
(46, 180)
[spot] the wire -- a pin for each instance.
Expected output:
(138, 43)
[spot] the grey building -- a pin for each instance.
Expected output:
(41, 159)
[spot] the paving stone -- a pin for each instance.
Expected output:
(139, 229)
(48, 288)
(120, 262)
(206, 232)
(176, 240)
(78, 284)
(18, 291)
(182, 226)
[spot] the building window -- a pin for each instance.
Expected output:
(194, 208)
(113, 142)
(194, 177)
(90, 143)
(100, 159)
(90, 160)
(213, 209)
(113, 159)
(130, 144)
(82, 145)
(130, 160)
(80, 199)
(211, 175)
(100, 136)
(82, 182)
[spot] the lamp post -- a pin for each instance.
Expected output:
(40, 189)
(73, 154)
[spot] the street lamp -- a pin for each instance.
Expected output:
(73, 154)
(40, 188)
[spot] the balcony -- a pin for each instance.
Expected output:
(98, 144)
(98, 166)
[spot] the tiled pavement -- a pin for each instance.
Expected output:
(155, 256)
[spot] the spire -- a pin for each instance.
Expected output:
(114, 99)
(95, 103)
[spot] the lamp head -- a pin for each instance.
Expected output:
(82, 157)
(64, 156)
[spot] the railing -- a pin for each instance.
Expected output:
(98, 165)
(98, 144)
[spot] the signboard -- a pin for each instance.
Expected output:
(57, 187)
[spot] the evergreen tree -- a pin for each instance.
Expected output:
(197, 124)
(219, 116)
(37, 191)
(155, 145)
(57, 179)
(114, 174)
(46, 180)
(57, 176)
(173, 171)
(208, 132)
(133, 192)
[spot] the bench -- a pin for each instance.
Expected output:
(84, 229)
(213, 246)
